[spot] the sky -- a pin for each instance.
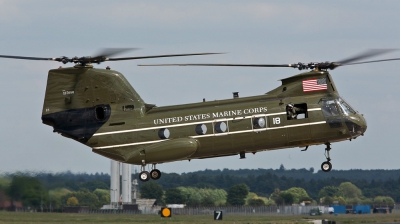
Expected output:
(274, 32)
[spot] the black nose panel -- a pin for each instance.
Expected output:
(354, 129)
(78, 124)
(335, 123)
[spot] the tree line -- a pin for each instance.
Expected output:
(240, 194)
(307, 174)
(209, 187)
(264, 183)
(54, 191)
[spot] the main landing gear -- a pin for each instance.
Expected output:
(327, 166)
(145, 175)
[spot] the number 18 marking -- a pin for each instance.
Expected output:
(276, 120)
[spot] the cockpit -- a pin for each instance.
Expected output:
(338, 110)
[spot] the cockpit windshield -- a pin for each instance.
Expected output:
(331, 107)
(345, 107)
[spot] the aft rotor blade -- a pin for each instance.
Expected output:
(28, 58)
(234, 65)
(367, 54)
(366, 62)
(108, 52)
(158, 56)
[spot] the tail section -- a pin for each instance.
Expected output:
(79, 100)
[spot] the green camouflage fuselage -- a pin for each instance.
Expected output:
(99, 108)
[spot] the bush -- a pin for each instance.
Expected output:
(237, 194)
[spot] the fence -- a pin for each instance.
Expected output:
(396, 209)
(239, 210)
(246, 210)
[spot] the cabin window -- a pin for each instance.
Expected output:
(201, 129)
(329, 108)
(296, 111)
(163, 133)
(220, 127)
(259, 122)
(128, 107)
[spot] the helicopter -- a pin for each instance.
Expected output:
(100, 109)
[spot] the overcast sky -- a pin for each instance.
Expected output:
(250, 31)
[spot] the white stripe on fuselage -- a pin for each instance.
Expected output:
(186, 124)
(203, 122)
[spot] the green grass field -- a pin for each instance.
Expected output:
(24, 217)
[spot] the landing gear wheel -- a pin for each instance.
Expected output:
(155, 174)
(144, 176)
(326, 166)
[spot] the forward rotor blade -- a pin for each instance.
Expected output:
(234, 65)
(28, 58)
(158, 56)
(366, 62)
(367, 54)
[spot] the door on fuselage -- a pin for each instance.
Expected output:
(277, 133)
(297, 122)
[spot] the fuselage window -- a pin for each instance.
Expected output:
(128, 107)
(329, 108)
(220, 127)
(296, 111)
(163, 133)
(201, 129)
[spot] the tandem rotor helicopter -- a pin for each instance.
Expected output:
(100, 109)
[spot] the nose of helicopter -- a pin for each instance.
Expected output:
(356, 124)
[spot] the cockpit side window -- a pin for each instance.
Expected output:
(296, 111)
(345, 107)
(329, 108)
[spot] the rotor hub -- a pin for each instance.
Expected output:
(316, 65)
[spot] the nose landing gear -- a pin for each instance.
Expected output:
(154, 174)
(327, 166)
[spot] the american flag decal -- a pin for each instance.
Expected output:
(310, 85)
